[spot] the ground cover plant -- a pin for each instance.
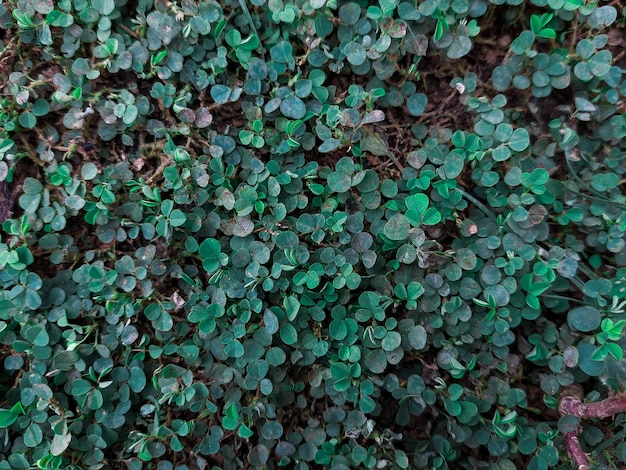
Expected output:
(312, 234)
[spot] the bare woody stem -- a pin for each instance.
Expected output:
(571, 403)
(575, 451)
(606, 408)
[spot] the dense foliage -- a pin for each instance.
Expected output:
(311, 233)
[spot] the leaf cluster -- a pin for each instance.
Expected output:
(228, 246)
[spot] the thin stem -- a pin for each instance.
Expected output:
(578, 283)
(587, 271)
(246, 13)
(477, 203)
(562, 297)
(609, 442)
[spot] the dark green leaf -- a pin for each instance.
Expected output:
(584, 319)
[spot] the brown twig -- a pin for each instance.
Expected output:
(165, 162)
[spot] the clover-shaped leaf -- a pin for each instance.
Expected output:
(418, 211)
(210, 251)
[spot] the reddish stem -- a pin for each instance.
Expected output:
(572, 404)
(602, 409)
(575, 451)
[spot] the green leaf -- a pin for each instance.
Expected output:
(41, 107)
(137, 380)
(466, 258)
(494, 116)
(460, 46)
(585, 319)
(339, 182)
(282, 52)
(537, 463)
(258, 455)
(27, 120)
(7, 418)
(271, 322)
(233, 38)
(329, 145)
(519, 140)
(418, 337)
(453, 165)
(503, 132)
(397, 228)
(391, 341)
(338, 329)
(230, 423)
(89, 171)
(288, 334)
(523, 42)
(81, 387)
(243, 227)
(209, 251)
(600, 63)
(245, 432)
(104, 7)
(272, 430)
(499, 295)
(220, 93)
(355, 53)
(431, 217)
(601, 17)
(293, 107)
(501, 78)
(586, 362)
(468, 412)
(177, 218)
(453, 407)
(417, 202)
(582, 71)
(292, 307)
(164, 322)
(350, 13)
(38, 335)
(33, 435)
(418, 212)
(416, 104)
(60, 442)
(376, 361)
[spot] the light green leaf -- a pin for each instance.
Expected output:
(60, 442)
(288, 334)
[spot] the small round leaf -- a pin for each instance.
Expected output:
(584, 319)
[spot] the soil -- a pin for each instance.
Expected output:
(6, 202)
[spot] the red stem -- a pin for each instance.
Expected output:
(571, 403)
(575, 451)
